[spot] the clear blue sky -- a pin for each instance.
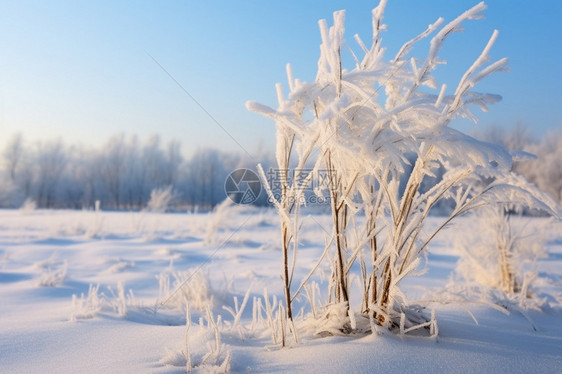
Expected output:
(81, 70)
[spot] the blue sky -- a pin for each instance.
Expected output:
(82, 71)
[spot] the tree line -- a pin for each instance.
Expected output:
(122, 172)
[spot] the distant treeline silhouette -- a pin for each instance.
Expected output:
(122, 173)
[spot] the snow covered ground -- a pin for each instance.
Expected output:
(93, 292)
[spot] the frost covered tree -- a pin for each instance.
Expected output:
(205, 175)
(111, 169)
(72, 191)
(381, 131)
(121, 174)
(12, 162)
(50, 164)
(174, 159)
(13, 154)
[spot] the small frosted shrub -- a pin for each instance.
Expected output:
(29, 205)
(189, 287)
(53, 277)
(95, 302)
(498, 251)
(161, 199)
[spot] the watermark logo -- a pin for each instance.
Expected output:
(242, 186)
(308, 186)
(304, 179)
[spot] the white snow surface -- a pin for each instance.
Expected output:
(46, 257)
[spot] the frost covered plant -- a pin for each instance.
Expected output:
(96, 222)
(53, 272)
(216, 358)
(383, 154)
(500, 254)
(29, 205)
(161, 199)
(219, 219)
(291, 151)
(53, 277)
(90, 305)
(191, 287)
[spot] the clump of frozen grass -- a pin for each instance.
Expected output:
(276, 323)
(237, 311)
(336, 320)
(341, 320)
(96, 222)
(161, 199)
(220, 217)
(29, 205)
(95, 302)
(216, 350)
(177, 289)
(120, 300)
(392, 158)
(120, 265)
(209, 355)
(53, 277)
(87, 306)
(268, 317)
(498, 254)
(363, 141)
(47, 263)
(53, 271)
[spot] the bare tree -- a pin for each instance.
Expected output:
(13, 154)
(51, 161)
(112, 167)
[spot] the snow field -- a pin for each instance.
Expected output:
(75, 302)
